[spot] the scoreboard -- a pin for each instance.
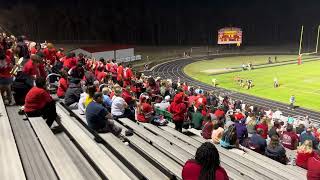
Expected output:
(230, 35)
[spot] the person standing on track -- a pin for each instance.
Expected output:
(292, 100)
(275, 82)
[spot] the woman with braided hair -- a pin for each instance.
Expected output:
(205, 166)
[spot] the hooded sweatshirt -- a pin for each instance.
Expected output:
(278, 153)
(178, 108)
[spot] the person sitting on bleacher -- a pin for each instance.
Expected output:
(73, 93)
(217, 132)
(289, 138)
(119, 107)
(62, 85)
(314, 166)
(197, 118)
(264, 126)
(38, 102)
(307, 135)
(206, 165)
(229, 139)
(98, 117)
(34, 67)
(106, 97)
(257, 142)
(242, 132)
(144, 109)
(276, 151)
(164, 104)
(304, 152)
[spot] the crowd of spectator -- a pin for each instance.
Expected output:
(104, 89)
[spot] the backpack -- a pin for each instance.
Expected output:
(207, 130)
(159, 121)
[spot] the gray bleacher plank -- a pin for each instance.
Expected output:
(82, 164)
(192, 149)
(153, 153)
(157, 139)
(10, 162)
(173, 151)
(259, 160)
(278, 169)
(104, 148)
(147, 169)
(61, 162)
(34, 160)
(103, 162)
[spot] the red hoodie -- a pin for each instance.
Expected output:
(178, 108)
(62, 88)
(313, 168)
(302, 159)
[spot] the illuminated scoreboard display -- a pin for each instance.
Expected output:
(230, 35)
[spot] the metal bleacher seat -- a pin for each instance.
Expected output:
(10, 163)
(62, 163)
(144, 168)
(250, 156)
(107, 168)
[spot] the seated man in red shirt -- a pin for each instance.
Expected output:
(34, 67)
(38, 102)
(289, 138)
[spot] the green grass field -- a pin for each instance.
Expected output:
(302, 81)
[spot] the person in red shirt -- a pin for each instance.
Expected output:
(63, 85)
(38, 102)
(34, 67)
(50, 54)
(304, 152)
(238, 115)
(120, 73)
(126, 95)
(60, 53)
(264, 126)
(219, 113)
(314, 167)
(127, 76)
(206, 165)
(144, 110)
(178, 110)
(289, 138)
(35, 49)
(5, 76)
(70, 61)
(101, 75)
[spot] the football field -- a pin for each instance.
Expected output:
(303, 81)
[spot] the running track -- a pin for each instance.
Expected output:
(174, 69)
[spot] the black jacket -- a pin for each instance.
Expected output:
(72, 94)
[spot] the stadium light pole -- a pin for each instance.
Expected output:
(318, 39)
(301, 37)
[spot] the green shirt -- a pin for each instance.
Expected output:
(197, 119)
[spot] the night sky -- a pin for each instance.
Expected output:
(165, 22)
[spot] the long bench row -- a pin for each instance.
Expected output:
(183, 148)
(151, 153)
(10, 163)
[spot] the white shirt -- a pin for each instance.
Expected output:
(81, 103)
(162, 105)
(277, 115)
(117, 106)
